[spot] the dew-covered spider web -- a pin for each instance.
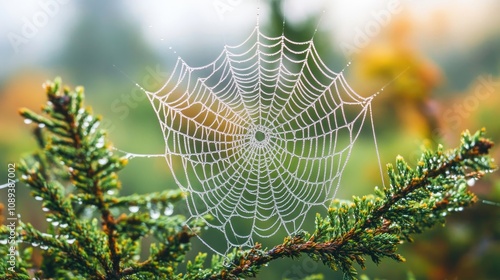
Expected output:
(259, 136)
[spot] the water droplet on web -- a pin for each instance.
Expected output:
(27, 121)
(169, 209)
(133, 208)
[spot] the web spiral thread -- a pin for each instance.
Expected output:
(258, 136)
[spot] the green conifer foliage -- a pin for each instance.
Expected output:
(91, 236)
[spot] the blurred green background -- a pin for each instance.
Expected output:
(438, 61)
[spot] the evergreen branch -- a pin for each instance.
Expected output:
(75, 171)
(375, 225)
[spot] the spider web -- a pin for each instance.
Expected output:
(259, 136)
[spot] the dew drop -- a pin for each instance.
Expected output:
(27, 121)
(133, 208)
(3, 241)
(100, 143)
(103, 161)
(25, 177)
(35, 244)
(63, 225)
(111, 192)
(169, 209)
(49, 219)
(39, 198)
(55, 223)
(154, 213)
(45, 209)
(471, 182)
(88, 212)
(70, 241)
(44, 247)
(41, 125)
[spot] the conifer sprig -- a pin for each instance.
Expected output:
(94, 233)
(374, 225)
(74, 175)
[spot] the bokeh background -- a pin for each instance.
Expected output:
(438, 62)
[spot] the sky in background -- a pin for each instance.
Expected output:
(441, 24)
